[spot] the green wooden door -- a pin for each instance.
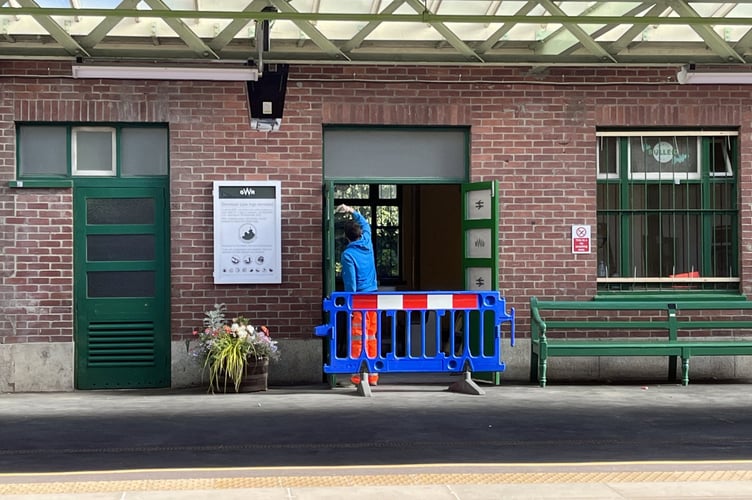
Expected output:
(329, 260)
(480, 263)
(121, 265)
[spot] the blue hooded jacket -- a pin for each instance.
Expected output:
(358, 264)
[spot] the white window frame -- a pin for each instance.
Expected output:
(607, 175)
(74, 153)
(727, 162)
(665, 176)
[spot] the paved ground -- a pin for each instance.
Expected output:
(412, 439)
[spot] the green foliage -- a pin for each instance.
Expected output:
(226, 348)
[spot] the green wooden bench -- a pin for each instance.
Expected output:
(609, 328)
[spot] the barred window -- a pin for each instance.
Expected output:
(667, 210)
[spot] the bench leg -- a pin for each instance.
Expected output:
(533, 367)
(685, 371)
(542, 372)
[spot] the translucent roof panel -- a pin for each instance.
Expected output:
(537, 33)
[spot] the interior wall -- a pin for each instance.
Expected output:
(439, 246)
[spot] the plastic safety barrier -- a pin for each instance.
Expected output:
(429, 332)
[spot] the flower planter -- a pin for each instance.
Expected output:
(254, 379)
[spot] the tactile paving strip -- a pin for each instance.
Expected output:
(388, 479)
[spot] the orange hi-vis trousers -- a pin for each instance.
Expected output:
(356, 345)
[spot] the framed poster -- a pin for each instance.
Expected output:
(247, 232)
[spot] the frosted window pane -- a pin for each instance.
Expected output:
(379, 154)
(42, 151)
(94, 151)
(143, 152)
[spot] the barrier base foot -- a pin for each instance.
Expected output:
(467, 386)
(364, 389)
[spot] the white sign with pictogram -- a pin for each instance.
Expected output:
(581, 238)
(247, 232)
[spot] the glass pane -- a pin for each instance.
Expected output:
(665, 196)
(720, 156)
(608, 196)
(664, 245)
(387, 252)
(93, 150)
(119, 247)
(352, 191)
(387, 216)
(143, 152)
(665, 155)
(120, 283)
(687, 245)
(721, 251)
(607, 155)
(42, 151)
(722, 196)
(120, 211)
(608, 238)
(388, 191)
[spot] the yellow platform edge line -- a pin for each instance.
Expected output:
(364, 480)
(329, 469)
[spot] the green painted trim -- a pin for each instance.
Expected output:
(668, 296)
(41, 183)
(393, 180)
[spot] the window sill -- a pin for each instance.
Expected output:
(41, 183)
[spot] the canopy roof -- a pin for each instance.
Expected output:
(536, 33)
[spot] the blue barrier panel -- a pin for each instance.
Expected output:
(417, 331)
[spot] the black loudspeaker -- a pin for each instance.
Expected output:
(266, 97)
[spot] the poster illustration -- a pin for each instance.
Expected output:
(247, 232)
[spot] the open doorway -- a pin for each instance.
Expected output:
(416, 233)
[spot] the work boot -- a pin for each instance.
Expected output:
(372, 379)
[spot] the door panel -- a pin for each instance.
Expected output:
(480, 237)
(122, 337)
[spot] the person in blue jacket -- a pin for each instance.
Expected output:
(359, 275)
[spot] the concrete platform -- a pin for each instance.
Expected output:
(412, 439)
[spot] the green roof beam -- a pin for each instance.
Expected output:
(227, 35)
(448, 34)
(54, 29)
(559, 44)
(309, 30)
(424, 17)
(108, 23)
(628, 37)
(497, 35)
(183, 31)
(711, 38)
(361, 35)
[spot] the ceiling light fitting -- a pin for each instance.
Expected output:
(689, 75)
(123, 72)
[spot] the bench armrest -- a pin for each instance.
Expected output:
(537, 325)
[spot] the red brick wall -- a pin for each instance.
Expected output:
(535, 134)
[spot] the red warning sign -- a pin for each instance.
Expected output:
(581, 238)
